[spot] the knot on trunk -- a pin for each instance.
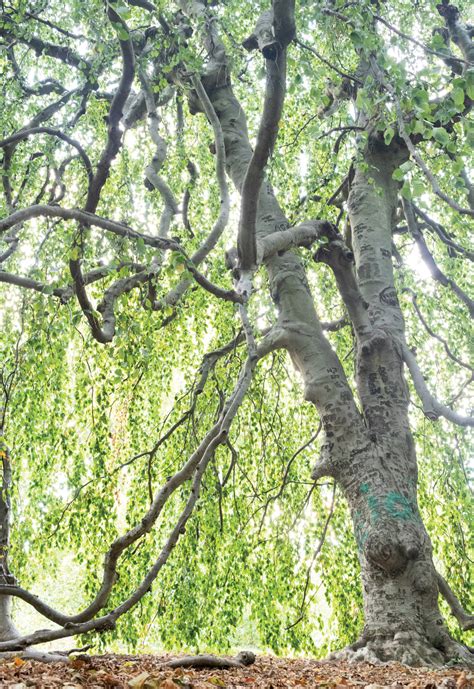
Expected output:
(263, 37)
(390, 548)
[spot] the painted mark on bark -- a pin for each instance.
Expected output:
(399, 507)
(393, 505)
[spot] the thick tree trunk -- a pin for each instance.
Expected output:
(372, 456)
(402, 619)
(400, 588)
(7, 628)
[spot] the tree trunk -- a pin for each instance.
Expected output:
(7, 628)
(400, 589)
(371, 455)
(402, 619)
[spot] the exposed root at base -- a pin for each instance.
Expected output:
(32, 654)
(408, 648)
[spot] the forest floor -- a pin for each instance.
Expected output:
(147, 672)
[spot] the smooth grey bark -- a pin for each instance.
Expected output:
(7, 628)
(400, 589)
(301, 331)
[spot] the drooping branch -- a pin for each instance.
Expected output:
(344, 75)
(432, 409)
(117, 228)
(26, 133)
(431, 332)
(414, 153)
(437, 274)
(442, 233)
(193, 469)
(220, 224)
(41, 88)
(465, 620)
(316, 552)
(454, 62)
(58, 52)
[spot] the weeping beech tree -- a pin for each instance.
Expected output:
(193, 191)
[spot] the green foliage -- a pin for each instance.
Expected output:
(83, 418)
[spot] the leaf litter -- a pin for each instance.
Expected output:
(147, 672)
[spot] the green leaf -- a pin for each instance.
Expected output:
(457, 95)
(398, 174)
(469, 76)
(418, 127)
(123, 11)
(388, 135)
(417, 187)
(406, 191)
(441, 135)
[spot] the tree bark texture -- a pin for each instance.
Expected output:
(370, 452)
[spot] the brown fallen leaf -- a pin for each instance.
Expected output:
(167, 683)
(138, 681)
(462, 681)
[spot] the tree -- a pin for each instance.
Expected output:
(371, 141)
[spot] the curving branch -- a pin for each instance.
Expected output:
(172, 298)
(442, 233)
(268, 130)
(152, 172)
(465, 620)
(26, 133)
(58, 52)
(193, 469)
(431, 332)
(117, 228)
(344, 75)
(454, 63)
(112, 147)
(437, 274)
(41, 88)
(432, 409)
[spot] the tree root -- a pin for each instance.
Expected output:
(47, 656)
(40, 656)
(406, 647)
(243, 659)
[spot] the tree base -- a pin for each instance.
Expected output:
(408, 648)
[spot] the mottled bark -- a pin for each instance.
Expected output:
(7, 628)
(301, 332)
(402, 618)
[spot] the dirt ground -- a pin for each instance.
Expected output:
(147, 672)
